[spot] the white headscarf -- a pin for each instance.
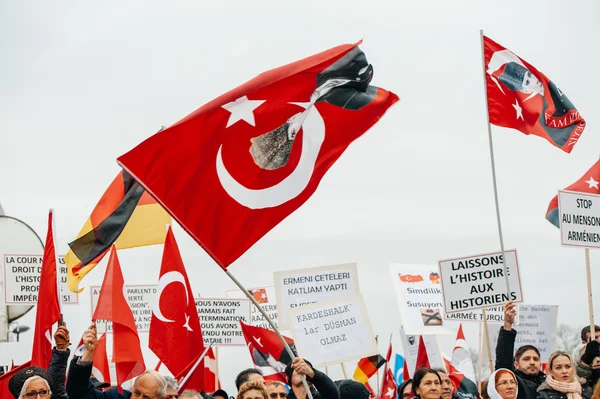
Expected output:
(26, 383)
(491, 388)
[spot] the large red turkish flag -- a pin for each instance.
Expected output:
(521, 97)
(175, 335)
(236, 167)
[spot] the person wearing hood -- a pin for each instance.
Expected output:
(526, 362)
(405, 389)
(502, 384)
(32, 383)
(320, 385)
(427, 384)
(561, 381)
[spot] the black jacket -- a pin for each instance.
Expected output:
(58, 371)
(528, 384)
(545, 392)
(325, 387)
(79, 385)
(591, 375)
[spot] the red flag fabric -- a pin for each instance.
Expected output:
(100, 365)
(422, 356)
(405, 373)
(388, 384)
(211, 382)
(193, 376)
(48, 307)
(127, 354)
(588, 183)
(464, 387)
(4, 378)
(251, 157)
(522, 98)
(175, 334)
(267, 352)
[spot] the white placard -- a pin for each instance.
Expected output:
(410, 344)
(479, 281)
(265, 296)
(495, 315)
(22, 279)
(220, 320)
(140, 299)
(334, 331)
(294, 288)
(579, 217)
(536, 326)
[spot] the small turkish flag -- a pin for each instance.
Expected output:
(522, 98)
(100, 365)
(236, 167)
(175, 334)
(260, 295)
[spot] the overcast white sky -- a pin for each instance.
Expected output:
(84, 82)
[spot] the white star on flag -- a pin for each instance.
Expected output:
(187, 323)
(258, 341)
(242, 109)
(518, 108)
(592, 183)
(390, 392)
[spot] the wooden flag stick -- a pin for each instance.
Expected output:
(216, 367)
(486, 332)
(489, 126)
(480, 357)
(273, 326)
(588, 273)
(344, 371)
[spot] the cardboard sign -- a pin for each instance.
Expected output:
(265, 296)
(535, 325)
(300, 287)
(140, 299)
(479, 281)
(334, 331)
(579, 216)
(22, 279)
(220, 320)
(410, 344)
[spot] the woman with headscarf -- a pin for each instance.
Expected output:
(561, 381)
(502, 384)
(31, 383)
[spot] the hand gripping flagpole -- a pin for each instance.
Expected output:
(273, 326)
(487, 115)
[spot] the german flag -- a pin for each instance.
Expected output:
(367, 367)
(126, 216)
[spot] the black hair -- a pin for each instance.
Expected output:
(524, 349)
(419, 375)
(244, 375)
(402, 386)
(513, 75)
(586, 330)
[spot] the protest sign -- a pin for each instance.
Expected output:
(579, 219)
(495, 315)
(265, 296)
(535, 325)
(220, 320)
(410, 345)
(294, 288)
(140, 299)
(479, 281)
(22, 279)
(333, 331)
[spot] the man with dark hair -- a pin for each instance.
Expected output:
(526, 362)
(585, 338)
(448, 389)
(587, 356)
(320, 385)
(250, 374)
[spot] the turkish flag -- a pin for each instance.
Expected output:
(588, 183)
(267, 352)
(461, 370)
(236, 167)
(522, 98)
(100, 365)
(211, 380)
(175, 335)
(388, 386)
(127, 354)
(48, 308)
(422, 355)
(4, 378)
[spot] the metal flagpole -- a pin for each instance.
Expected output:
(273, 326)
(188, 375)
(489, 126)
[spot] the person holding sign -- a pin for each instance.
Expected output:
(526, 363)
(589, 365)
(561, 382)
(325, 387)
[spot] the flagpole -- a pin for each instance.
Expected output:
(377, 342)
(188, 375)
(344, 370)
(216, 368)
(486, 332)
(588, 273)
(57, 267)
(273, 326)
(489, 126)
(480, 357)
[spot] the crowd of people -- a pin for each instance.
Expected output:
(518, 376)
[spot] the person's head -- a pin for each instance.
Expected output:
(276, 390)
(350, 389)
(518, 78)
(447, 385)
(560, 366)
(527, 359)
(247, 375)
(149, 384)
(585, 334)
(190, 394)
(294, 379)
(252, 390)
(427, 384)
(405, 390)
(31, 383)
(172, 387)
(484, 394)
(99, 385)
(502, 385)
(220, 394)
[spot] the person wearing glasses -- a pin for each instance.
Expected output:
(31, 383)
(277, 390)
(502, 384)
(561, 381)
